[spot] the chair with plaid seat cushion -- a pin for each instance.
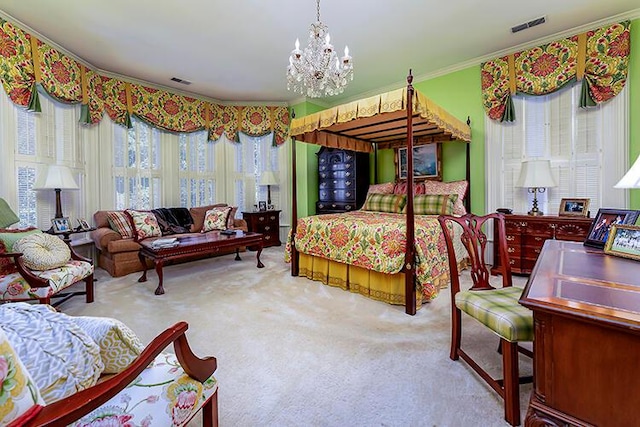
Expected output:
(496, 308)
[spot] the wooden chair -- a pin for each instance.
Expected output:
(496, 308)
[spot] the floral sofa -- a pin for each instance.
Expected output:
(92, 371)
(118, 254)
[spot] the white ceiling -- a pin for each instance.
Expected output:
(238, 50)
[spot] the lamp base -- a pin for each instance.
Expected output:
(535, 213)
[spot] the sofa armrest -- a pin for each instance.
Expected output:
(74, 407)
(103, 235)
(240, 224)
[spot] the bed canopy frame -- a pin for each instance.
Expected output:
(383, 121)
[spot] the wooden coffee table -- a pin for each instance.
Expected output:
(194, 247)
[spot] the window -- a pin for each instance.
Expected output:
(254, 155)
(587, 149)
(197, 179)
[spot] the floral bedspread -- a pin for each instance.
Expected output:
(373, 240)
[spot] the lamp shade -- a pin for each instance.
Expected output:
(7, 215)
(632, 178)
(56, 177)
(268, 178)
(536, 174)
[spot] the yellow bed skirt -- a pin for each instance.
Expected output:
(384, 287)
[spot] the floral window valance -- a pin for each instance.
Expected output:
(26, 62)
(598, 58)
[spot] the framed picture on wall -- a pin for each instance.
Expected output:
(426, 162)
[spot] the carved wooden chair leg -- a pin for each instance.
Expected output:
(511, 382)
(455, 333)
(89, 288)
(210, 412)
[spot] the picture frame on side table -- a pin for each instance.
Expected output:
(604, 220)
(61, 225)
(83, 224)
(574, 207)
(262, 206)
(624, 241)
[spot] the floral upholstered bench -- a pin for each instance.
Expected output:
(62, 370)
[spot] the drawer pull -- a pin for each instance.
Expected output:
(538, 239)
(348, 194)
(536, 251)
(321, 206)
(333, 205)
(348, 173)
(267, 237)
(260, 218)
(348, 183)
(347, 207)
(272, 217)
(267, 228)
(511, 238)
(511, 250)
(512, 261)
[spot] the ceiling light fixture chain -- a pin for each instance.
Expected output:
(317, 71)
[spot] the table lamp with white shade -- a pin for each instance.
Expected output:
(631, 179)
(56, 178)
(536, 176)
(268, 178)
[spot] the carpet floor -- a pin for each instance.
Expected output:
(293, 352)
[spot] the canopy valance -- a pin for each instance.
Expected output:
(26, 63)
(599, 58)
(381, 120)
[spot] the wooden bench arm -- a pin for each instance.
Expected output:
(76, 256)
(33, 280)
(74, 407)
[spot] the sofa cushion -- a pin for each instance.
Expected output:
(144, 224)
(43, 251)
(10, 235)
(19, 395)
(198, 214)
(119, 221)
(61, 358)
(119, 345)
(163, 395)
(216, 219)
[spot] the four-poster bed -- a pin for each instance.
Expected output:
(384, 121)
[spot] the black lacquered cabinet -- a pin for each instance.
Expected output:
(343, 180)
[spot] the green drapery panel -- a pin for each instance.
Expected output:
(599, 58)
(26, 62)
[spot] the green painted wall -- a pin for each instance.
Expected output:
(459, 93)
(634, 101)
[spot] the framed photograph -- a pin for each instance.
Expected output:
(624, 241)
(83, 224)
(262, 205)
(574, 207)
(61, 225)
(604, 220)
(426, 162)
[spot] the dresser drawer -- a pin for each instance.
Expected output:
(337, 194)
(329, 183)
(574, 231)
(535, 240)
(328, 207)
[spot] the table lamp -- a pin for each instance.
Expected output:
(57, 178)
(535, 175)
(632, 178)
(268, 178)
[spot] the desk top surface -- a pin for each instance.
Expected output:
(571, 278)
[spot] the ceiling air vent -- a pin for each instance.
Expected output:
(179, 80)
(529, 24)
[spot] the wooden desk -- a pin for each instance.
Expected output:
(586, 311)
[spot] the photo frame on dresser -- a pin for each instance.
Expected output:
(574, 207)
(624, 241)
(604, 220)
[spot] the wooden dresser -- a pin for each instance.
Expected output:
(586, 316)
(526, 234)
(343, 180)
(267, 223)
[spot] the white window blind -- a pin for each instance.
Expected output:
(588, 151)
(197, 167)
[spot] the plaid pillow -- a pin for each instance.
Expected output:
(392, 203)
(145, 224)
(119, 221)
(453, 187)
(433, 204)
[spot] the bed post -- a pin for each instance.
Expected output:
(295, 256)
(467, 199)
(409, 264)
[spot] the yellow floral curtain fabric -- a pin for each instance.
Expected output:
(26, 61)
(599, 58)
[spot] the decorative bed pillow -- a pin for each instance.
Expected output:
(20, 396)
(145, 224)
(119, 221)
(216, 219)
(392, 203)
(433, 204)
(43, 251)
(453, 187)
(401, 188)
(11, 235)
(386, 188)
(60, 357)
(119, 345)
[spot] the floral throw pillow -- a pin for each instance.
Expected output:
(216, 219)
(145, 224)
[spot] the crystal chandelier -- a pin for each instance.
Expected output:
(317, 71)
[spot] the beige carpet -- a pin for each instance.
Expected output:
(294, 352)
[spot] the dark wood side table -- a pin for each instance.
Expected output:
(266, 223)
(526, 234)
(66, 235)
(586, 314)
